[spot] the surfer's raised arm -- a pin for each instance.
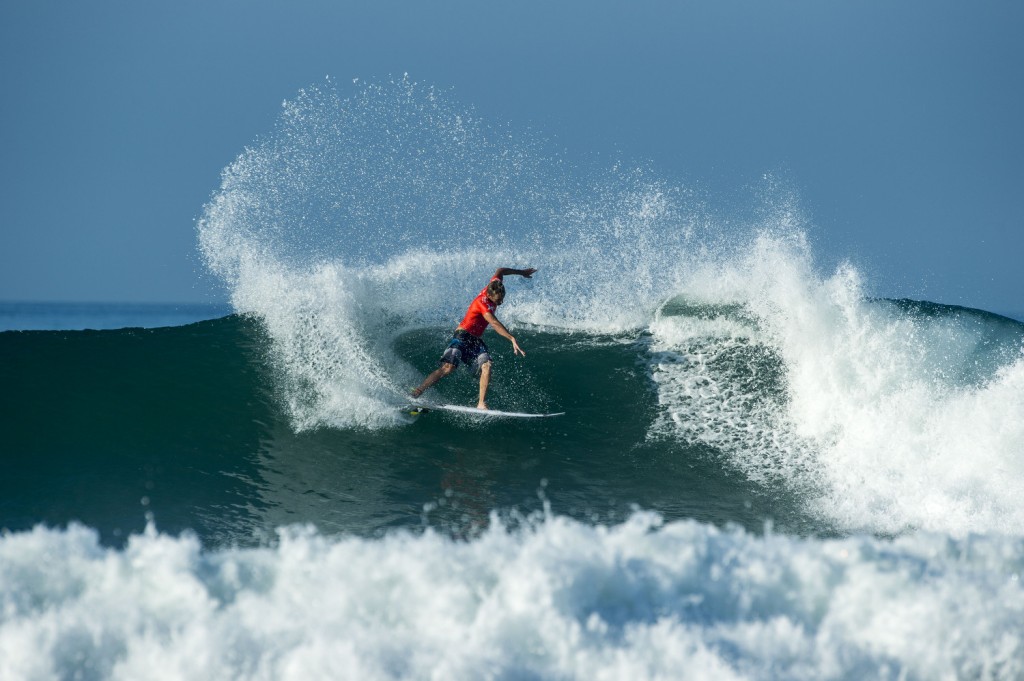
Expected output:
(502, 271)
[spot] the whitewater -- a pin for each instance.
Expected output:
(765, 471)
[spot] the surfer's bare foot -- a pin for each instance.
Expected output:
(416, 392)
(482, 405)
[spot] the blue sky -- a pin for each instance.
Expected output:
(898, 123)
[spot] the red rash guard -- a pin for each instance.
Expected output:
(474, 322)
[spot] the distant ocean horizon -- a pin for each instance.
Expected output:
(104, 316)
(77, 316)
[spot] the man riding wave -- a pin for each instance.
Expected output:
(467, 346)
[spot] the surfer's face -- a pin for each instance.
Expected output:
(495, 298)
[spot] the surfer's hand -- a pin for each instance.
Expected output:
(528, 272)
(516, 350)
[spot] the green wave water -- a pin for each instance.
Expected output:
(185, 424)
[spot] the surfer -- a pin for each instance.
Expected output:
(467, 346)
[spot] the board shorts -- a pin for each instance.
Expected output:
(465, 348)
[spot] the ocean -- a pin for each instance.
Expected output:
(764, 471)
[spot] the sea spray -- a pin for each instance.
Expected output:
(359, 219)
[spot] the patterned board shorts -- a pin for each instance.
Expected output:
(467, 349)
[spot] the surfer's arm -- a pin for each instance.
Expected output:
(502, 271)
(503, 332)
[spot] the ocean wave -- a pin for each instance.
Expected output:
(360, 221)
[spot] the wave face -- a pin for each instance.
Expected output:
(763, 470)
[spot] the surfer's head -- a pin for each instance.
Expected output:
(496, 291)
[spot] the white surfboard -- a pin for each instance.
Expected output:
(492, 413)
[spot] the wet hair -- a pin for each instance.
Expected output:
(497, 288)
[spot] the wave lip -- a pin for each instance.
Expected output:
(556, 599)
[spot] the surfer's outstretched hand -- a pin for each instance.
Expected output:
(516, 350)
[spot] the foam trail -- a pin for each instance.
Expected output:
(558, 599)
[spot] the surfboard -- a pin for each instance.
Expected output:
(418, 409)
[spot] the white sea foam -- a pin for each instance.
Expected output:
(886, 419)
(556, 600)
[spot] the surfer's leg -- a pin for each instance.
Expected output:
(433, 378)
(485, 380)
(449, 360)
